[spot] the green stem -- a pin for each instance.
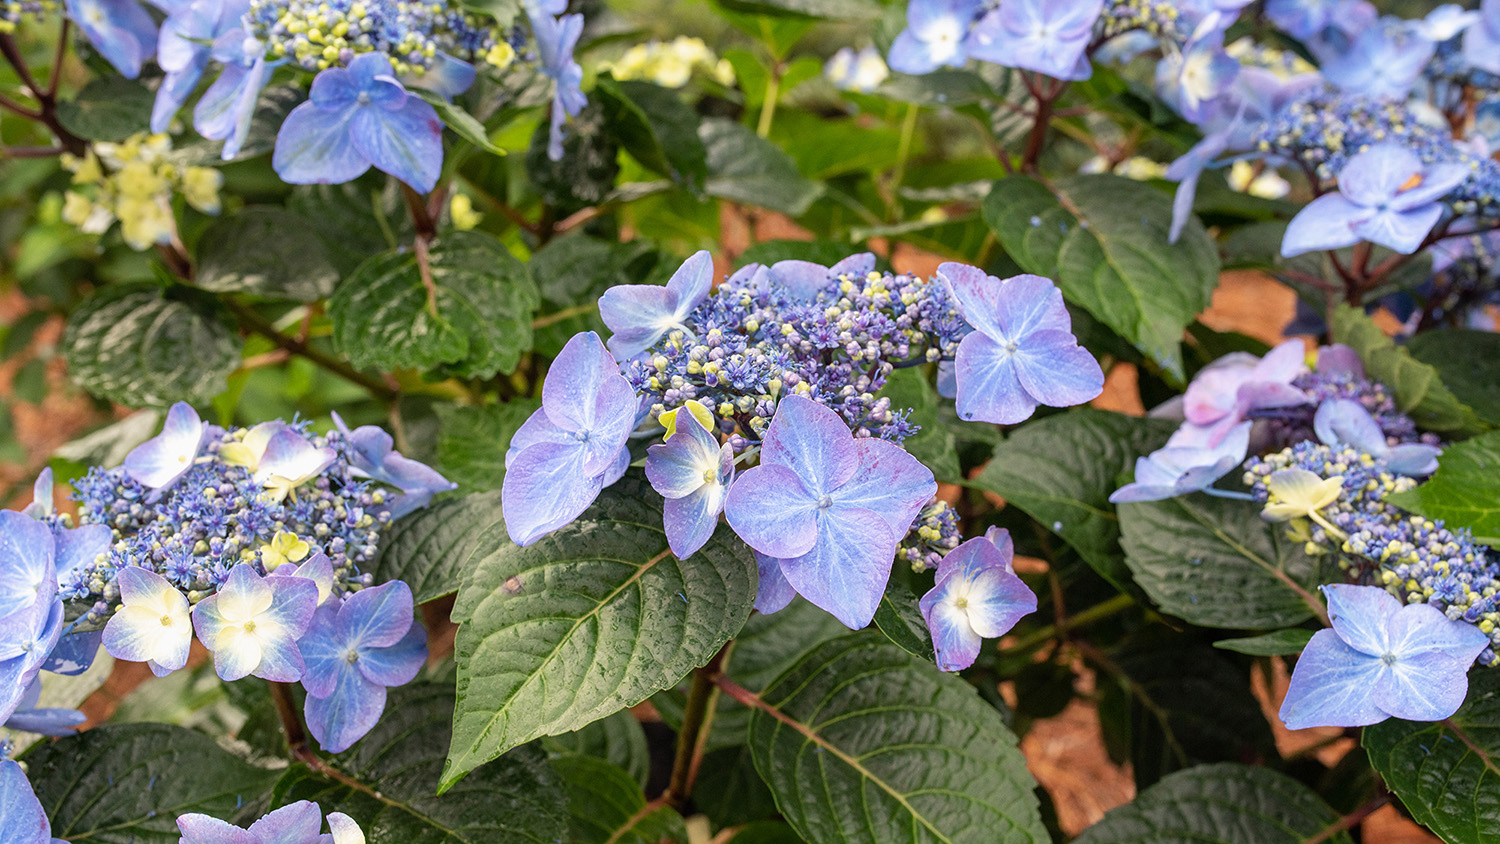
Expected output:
(1097, 612)
(768, 108)
(259, 325)
(697, 716)
(903, 152)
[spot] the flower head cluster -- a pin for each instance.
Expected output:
(12, 12)
(1340, 375)
(417, 36)
(133, 182)
(1039, 35)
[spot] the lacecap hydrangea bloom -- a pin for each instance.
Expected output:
(767, 388)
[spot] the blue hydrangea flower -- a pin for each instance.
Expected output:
(122, 31)
(26, 638)
(1481, 48)
(1341, 421)
(556, 39)
(692, 471)
(159, 462)
(1194, 78)
(1380, 660)
(638, 315)
(288, 462)
(183, 50)
(225, 110)
(355, 650)
(1022, 352)
(775, 590)
(1224, 393)
(1386, 195)
(935, 35)
(1301, 19)
(42, 721)
(1041, 35)
(977, 596)
(1446, 21)
(28, 564)
(356, 117)
(572, 447)
(373, 456)
(252, 624)
(153, 625)
(1384, 61)
(829, 507)
(1178, 470)
(294, 823)
(21, 813)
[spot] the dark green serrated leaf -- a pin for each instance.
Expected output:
(472, 441)
(587, 621)
(734, 794)
(1278, 643)
(1061, 470)
(518, 797)
(482, 324)
(267, 251)
(942, 87)
(656, 127)
(1419, 391)
(1468, 362)
(743, 167)
(1103, 239)
(875, 746)
(935, 445)
(127, 783)
(1465, 490)
(604, 806)
(107, 109)
(354, 220)
(144, 345)
(900, 618)
(1220, 804)
(1447, 773)
(1216, 563)
(430, 548)
(617, 739)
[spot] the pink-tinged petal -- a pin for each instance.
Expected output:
(691, 519)
(846, 570)
(637, 316)
(1325, 223)
(344, 717)
(771, 510)
(314, 146)
(398, 664)
(1056, 371)
(202, 829)
(1361, 616)
(1428, 686)
(1402, 231)
(1266, 394)
(954, 641)
(376, 617)
(977, 294)
(988, 388)
(774, 592)
(1339, 358)
(1009, 309)
(1332, 686)
(1375, 175)
(1286, 361)
(890, 482)
(976, 556)
(545, 488)
(997, 600)
(813, 442)
(294, 823)
(1214, 392)
(571, 390)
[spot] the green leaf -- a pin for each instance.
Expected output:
(1468, 363)
(900, 618)
(657, 128)
(503, 11)
(935, 445)
(267, 251)
(735, 793)
(874, 746)
(463, 124)
(354, 220)
(1220, 804)
(472, 441)
(516, 798)
(834, 9)
(1419, 392)
(617, 739)
(1061, 470)
(744, 167)
(1103, 239)
(605, 806)
(1447, 773)
(482, 323)
(430, 549)
(767, 646)
(140, 344)
(1277, 643)
(943, 87)
(127, 783)
(1465, 490)
(1216, 563)
(591, 619)
(107, 109)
